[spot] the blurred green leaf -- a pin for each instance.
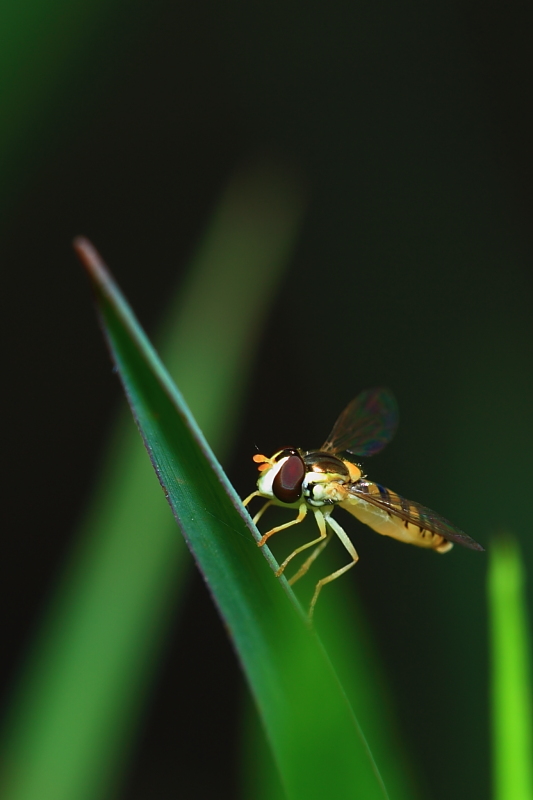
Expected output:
(317, 742)
(512, 696)
(39, 44)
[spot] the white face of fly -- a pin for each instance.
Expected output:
(266, 478)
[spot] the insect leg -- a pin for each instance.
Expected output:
(352, 551)
(302, 511)
(254, 494)
(261, 512)
(305, 566)
(319, 516)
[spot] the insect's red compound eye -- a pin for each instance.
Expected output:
(284, 452)
(287, 485)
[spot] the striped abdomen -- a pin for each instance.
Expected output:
(390, 514)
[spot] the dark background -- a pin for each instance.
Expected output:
(411, 123)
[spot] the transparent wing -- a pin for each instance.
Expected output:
(366, 425)
(414, 513)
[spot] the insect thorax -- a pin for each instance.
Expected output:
(324, 478)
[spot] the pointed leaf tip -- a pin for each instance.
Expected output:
(90, 257)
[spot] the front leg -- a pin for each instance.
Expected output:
(302, 511)
(250, 496)
(261, 512)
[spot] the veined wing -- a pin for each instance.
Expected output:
(413, 513)
(366, 425)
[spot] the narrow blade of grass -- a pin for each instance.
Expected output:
(317, 743)
(75, 711)
(512, 696)
(343, 632)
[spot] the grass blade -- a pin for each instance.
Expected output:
(316, 740)
(343, 632)
(512, 697)
(75, 711)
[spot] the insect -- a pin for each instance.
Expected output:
(319, 480)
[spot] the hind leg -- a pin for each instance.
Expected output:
(319, 516)
(336, 528)
(307, 563)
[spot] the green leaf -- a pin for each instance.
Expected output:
(512, 695)
(317, 743)
(74, 713)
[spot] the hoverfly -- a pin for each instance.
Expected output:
(319, 480)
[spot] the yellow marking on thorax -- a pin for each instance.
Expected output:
(353, 469)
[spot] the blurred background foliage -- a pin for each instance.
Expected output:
(410, 125)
